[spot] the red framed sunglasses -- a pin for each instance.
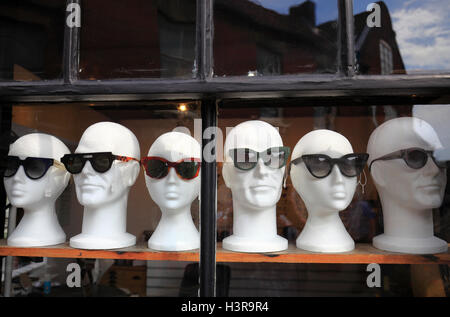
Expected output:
(158, 167)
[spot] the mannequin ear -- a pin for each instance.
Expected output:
(226, 173)
(133, 172)
(377, 177)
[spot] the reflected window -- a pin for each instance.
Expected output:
(385, 58)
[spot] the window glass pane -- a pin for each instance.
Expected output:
(416, 32)
(260, 38)
(31, 39)
(138, 38)
(259, 218)
(97, 207)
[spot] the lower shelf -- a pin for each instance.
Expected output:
(363, 253)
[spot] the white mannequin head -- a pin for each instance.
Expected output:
(323, 195)
(98, 189)
(171, 193)
(176, 230)
(255, 192)
(105, 195)
(24, 192)
(39, 225)
(261, 186)
(415, 189)
(407, 195)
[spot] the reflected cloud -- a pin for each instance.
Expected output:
(423, 33)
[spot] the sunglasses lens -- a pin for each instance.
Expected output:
(319, 166)
(188, 170)
(352, 166)
(35, 167)
(416, 159)
(245, 159)
(156, 168)
(73, 163)
(276, 158)
(101, 162)
(10, 166)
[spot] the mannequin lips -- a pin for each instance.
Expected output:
(261, 188)
(172, 195)
(89, 186)
(433, 186)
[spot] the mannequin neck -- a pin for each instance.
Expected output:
(106, 220)
(175, 217)
(253, 223)
(401, 221)
(40, 215)
(324, 220)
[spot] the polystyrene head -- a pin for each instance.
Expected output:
(25, 192)
(172, 192)
(97, 189)
(413, 188)
(261, 186)
(323, 195)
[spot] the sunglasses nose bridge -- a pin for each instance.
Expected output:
(336, 174)
(19, 175)
(171, 175)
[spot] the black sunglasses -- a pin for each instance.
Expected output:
(415, 158)
(246, 159)
(100, 161)
(34, 167)
(321, 165)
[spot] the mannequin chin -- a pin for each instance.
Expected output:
(176, 230)
(39, 225)
(255, 192)
(324, 197)
(407, 195)
(105, 195)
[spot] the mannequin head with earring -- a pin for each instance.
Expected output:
(324, 171)
(34, 178)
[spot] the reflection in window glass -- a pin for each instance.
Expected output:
(418, 33)
(274, 37)
(34, 26)
(137, 39)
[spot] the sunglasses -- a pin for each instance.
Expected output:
(415, 158)
(34, 167)
(246, 159)
(158, 167)
(100, 161)
(321, 165)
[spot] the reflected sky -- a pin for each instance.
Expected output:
(422, 27)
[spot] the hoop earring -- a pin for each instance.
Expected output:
(365, 181)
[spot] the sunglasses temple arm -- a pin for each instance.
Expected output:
(59, 165)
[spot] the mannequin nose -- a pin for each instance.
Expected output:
(172, 176)
(337, 175)
(261, 169)
(431, 168)
(87, 169)
(20, 175)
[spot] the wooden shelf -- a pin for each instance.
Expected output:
(138, 252)
(363, 253)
